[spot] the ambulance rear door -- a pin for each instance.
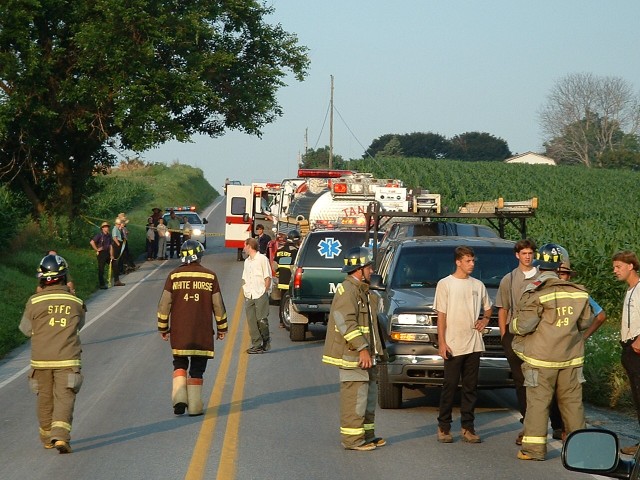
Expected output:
(239, 215)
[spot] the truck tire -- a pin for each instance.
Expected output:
(389, 394)
(285, 306)
(298, 332)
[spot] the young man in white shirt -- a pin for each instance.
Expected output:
(625, 268)
(256, 285)
(459, 300)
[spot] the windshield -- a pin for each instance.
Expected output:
(194, 218)
(423, 266)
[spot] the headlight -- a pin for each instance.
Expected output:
(197, 231)
(411, 319)
(410, 337)
(168, 234)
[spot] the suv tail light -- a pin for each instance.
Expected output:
(297, 278)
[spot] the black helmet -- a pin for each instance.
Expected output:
(355, 258)
(294, 236)
(191, 251)
(52, 267)
(549, 256)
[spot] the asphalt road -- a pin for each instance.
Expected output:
(271, 416)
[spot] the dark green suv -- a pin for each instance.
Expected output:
(315, 275)
(406, 283)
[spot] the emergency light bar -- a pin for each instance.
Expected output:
(322, 173)
(185, 208)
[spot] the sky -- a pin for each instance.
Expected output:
(442, 66)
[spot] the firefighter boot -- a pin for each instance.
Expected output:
(194, 389)
(179, 391)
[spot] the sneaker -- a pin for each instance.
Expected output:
(255, 350)
(444, 436)
(519, 438)
(365, 447)
(524, 456)
(630, 450)
(469, 435)
(103, 287)
(62, 446)
(118, 284)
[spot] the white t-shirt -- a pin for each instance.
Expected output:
(463, 300)
(255, 270)
(630, 324)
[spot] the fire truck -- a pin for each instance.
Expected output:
(246, 207)
(297, 195)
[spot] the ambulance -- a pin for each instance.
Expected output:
(246, 207)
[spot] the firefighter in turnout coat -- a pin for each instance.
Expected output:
(352, 344)
(190, 297)
(52, 318)
(548, 326)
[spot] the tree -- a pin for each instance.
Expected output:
(586, 116)
(478, 146)
(320, 159)
(78, 77)
(417, 144)
(392, 148)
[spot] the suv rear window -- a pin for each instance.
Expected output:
(424, 266)
(326, 249)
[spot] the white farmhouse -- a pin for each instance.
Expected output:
(531, 158)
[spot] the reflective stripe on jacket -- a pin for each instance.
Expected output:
(548, 321)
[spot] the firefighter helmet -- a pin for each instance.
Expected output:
(52, 267)
(355, 258)
(191, 251)
(294, 236)
(565, 265)
(549, 256)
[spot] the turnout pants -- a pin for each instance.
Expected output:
(358, 394)
(541, 383)
(257, 311)
(56, 390)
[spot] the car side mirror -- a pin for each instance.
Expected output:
(375, 283)
(595, 451)
(204, 220)
(245, 217)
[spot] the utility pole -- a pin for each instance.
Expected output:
(331, 127)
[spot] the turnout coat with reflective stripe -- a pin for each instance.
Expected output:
(351, 327)
(548, 321)
(190, 297)
(52, 318)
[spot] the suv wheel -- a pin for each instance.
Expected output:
(389, 394)
(298, 332)
(285, 309)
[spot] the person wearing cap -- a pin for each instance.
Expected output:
(625, 268)
(263, 239)
(173, 225)
(459, 299)
(548, 324)
(102, 243)
(353, 344)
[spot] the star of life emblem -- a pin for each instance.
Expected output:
(329, 248)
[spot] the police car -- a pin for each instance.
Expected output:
(198, 224)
